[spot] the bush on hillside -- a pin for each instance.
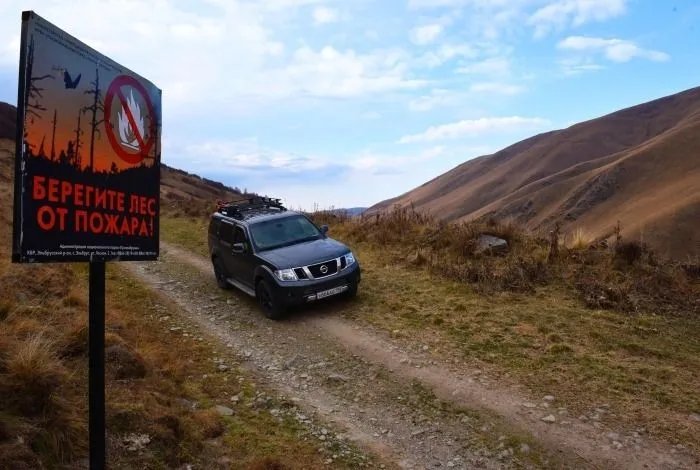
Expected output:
(628, 277)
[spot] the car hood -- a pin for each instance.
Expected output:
(305, 253)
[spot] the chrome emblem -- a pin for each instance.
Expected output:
(323, 269)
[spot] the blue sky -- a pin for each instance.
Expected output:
(346, 103)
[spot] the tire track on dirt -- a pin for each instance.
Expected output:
(391, 418)
(584, 444)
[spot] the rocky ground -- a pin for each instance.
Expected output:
(349, 381)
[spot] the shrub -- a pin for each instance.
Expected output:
(647, 284)
(629, 252)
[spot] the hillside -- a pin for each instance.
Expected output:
(7, 121)
(637, 165)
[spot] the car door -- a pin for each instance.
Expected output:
(225, 235)
(243, 262)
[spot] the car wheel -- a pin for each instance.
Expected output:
(220, 274)
(351, 293)
(272, 307)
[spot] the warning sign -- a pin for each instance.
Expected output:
(129, 121)
(87, 168)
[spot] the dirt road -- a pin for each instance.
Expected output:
(393, 396)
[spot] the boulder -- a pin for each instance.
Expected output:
(491, 244)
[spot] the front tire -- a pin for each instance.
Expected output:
(220, 274)
(351, 293)
(270, 305)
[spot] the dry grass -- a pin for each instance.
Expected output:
(186, 231)
(580, 240)
(151, 377)
(628, 278)
(589, 328)
(150, 373)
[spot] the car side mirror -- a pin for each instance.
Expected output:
(324, 230)
(238, 248)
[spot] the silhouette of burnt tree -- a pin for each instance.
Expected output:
(53, 137)
(42, 152)
(97, 105)
(32, 92)
(68, 156)
(77, 160)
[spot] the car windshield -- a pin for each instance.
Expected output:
(285, 231)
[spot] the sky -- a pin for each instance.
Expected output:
(344, 103)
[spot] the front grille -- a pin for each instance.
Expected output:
(332, 268)
(300, 273)
(343, 262)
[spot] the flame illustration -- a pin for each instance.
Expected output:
(126, 133)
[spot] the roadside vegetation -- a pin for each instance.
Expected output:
(163, 386)
(592, 322)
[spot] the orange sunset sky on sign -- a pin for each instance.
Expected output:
(52, 57)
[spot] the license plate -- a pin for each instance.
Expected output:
(329, 292)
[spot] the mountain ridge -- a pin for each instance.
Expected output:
(588, 176)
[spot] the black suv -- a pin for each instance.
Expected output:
(278, 256)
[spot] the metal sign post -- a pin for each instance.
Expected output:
(91, 193)
(96, 387)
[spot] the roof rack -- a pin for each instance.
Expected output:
(239, 208)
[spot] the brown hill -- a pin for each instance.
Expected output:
(639, 165)
(8, 115)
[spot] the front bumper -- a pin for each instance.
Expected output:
(305, 291)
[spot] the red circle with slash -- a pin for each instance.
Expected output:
(115, 89)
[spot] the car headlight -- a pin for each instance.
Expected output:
(349, 259)
(286, 275)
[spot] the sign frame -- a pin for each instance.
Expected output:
(116, 235)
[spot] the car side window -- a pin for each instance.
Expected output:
(214, 227)
(226, 232)
(239, 235)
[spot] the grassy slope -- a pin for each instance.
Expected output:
(644, 365)
(43, 378)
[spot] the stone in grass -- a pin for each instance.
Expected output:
(224, 410)
(549, 419)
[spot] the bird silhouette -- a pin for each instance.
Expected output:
(71, 83)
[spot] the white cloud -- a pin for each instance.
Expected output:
(232, 48)
(437, 98)
(475, 127)
(244, 156)
(333, 73)
(490, 66)
(446, 53)
(491, 19)
(616, 50)
(424, 35)
(579, 65)
(248, 157)
(480, 4)
(564, 13)
(443, 98)
(495, 87)
(374, 163)
(371, 115)
(325, 15)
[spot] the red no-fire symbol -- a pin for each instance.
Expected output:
(129, 130)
